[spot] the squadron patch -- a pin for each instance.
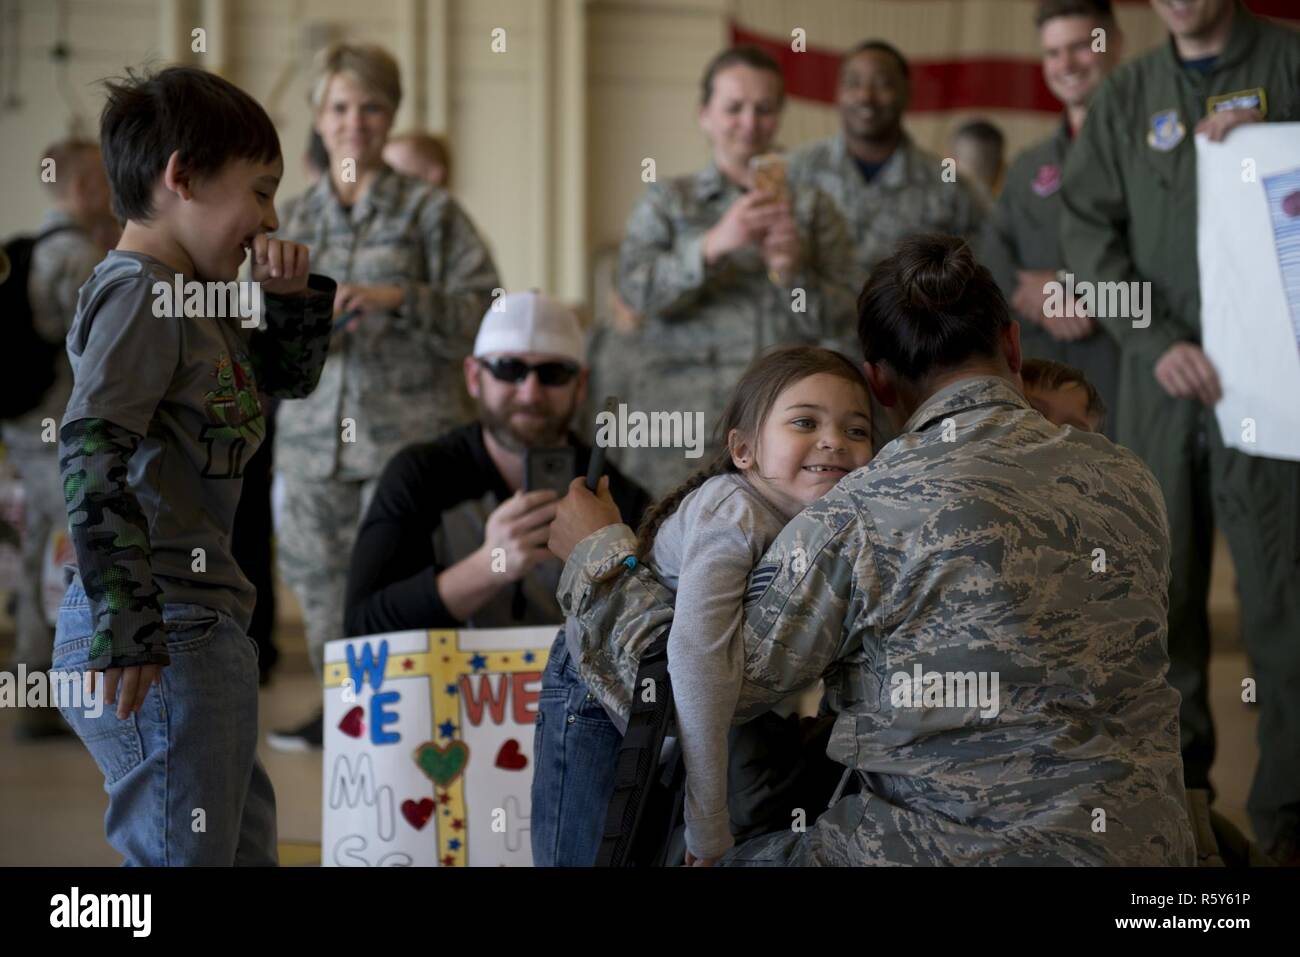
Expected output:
(1167, 131)
(1047, 181)
(1241, 100)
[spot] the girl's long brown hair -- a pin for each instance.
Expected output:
(751, 400)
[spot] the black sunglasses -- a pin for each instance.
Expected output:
(515, 371)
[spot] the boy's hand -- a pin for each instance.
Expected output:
(280, 267)
(693, 861)
(135, 683)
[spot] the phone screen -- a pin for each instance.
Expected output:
(549, 468)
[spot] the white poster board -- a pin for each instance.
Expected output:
(1248, 238)
(428, 742)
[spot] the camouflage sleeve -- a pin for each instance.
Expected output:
(289, 353)
(1094, 228)
(613, 614)
(449, 307)
(661, 271)
(814, 581)
(110, 536)
(828, 311)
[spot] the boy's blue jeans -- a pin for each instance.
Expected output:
(184, 783)
(574, 749)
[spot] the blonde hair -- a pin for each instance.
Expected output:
(373, 66)
(69, 155)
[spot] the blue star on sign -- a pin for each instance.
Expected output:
(529, 657)
(446, 729)
(453, 845)
(451, 689)
(477, 662)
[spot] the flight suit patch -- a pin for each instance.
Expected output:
(1241, 100)
(1047, 181)
(1167, 131)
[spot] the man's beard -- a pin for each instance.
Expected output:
(548, 432)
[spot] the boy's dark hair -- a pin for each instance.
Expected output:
(207, 120)
(745, 55)
(751, 400)
(879, 46)
(930, 306)
(1048, 375)
(1051, 9)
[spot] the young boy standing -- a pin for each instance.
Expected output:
(163, 415)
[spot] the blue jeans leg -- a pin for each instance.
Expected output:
(574, 749)
(184, 784)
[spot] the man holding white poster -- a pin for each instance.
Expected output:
(1131, 224)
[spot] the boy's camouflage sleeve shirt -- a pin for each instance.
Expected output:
(163, 414)
(289, 353)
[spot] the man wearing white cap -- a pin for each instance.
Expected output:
(424, 555)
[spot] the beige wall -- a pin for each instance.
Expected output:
(549, 136)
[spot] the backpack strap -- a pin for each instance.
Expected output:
(637, 763)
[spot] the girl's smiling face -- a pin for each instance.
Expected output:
(817, 432)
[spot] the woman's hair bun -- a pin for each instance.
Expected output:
(934, 271)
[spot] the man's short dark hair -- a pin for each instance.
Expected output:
(1051, 9)
(982, 132)
(879, 46)
(1048, 375)
(207, 120)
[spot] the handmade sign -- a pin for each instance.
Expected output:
(1248, 233)
(429, 747)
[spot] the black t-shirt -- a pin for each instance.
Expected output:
(427, 514)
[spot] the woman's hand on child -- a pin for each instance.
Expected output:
(126, 686)
(579, 514)
(280, 267)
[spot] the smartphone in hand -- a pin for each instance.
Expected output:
(550, 468)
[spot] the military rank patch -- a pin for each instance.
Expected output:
(1167, 131)
(1241, 100)
(759, 579)
(1047, 181)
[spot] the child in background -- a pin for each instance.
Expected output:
(1063, 395)
(163, 415)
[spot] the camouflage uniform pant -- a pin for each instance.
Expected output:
(44, 511)
(314, 536)
(864, 830)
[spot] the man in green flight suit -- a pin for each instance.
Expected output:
(1020, 242)
(1130, 216)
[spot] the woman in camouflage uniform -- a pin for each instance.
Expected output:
(414, 280)
(719, 270)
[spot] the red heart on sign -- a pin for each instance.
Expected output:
(351, 723)
(418, 814)
(510, 758)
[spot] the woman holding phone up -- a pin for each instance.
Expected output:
(723, 263)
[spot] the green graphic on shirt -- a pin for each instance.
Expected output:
(236, 424)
